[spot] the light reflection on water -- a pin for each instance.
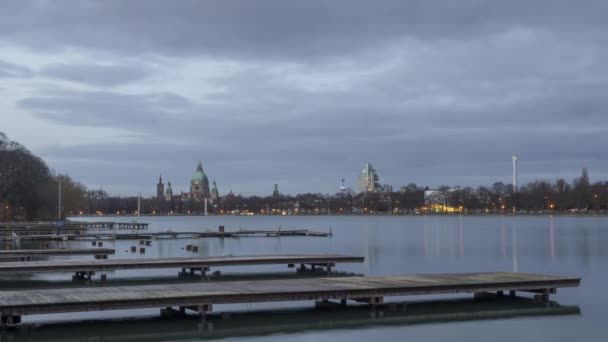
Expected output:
(566, 246)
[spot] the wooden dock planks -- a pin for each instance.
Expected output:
(58, 234)
(55, 252)
(199, 263)
(202, 295)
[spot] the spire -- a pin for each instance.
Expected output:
(199, 167)
(160, 179)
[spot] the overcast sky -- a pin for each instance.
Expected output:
(303, 93)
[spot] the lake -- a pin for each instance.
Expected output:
(555, 245)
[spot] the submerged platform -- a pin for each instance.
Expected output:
(200, 297)
(87, 268)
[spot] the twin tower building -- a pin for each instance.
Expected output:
(199, 188)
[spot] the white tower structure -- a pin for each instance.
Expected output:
(515, 162)
(342, 185)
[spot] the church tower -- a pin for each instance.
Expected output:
(169, 193)
(214, 193)
(160, 187)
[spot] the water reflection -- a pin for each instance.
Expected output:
(261, 323)
(514, 251)
(552, 236)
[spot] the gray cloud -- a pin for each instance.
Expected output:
(274, 28)
(105, 108)
(13, 70)
(433, 92)
(97, 74)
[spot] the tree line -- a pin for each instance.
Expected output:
(29, 189)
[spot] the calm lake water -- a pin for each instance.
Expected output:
(562, 246)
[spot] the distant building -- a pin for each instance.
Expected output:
(387, 188)
(369, 180)
(275, 191)
(342, 186)
(169, 192)
(160, 187)
(214, 193)
(199, 184)
(199, 188)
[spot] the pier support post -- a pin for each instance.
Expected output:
(512, 293)
(203, 309)
(543, 296)
(374, 301)
(10, 320)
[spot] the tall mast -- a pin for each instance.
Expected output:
(138, 206)
(515, 160)
(59, 201)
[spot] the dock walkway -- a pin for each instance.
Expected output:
(87, 268)
(27, 254)
(61, 235)
(200, 297)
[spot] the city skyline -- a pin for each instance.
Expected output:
(263, 97)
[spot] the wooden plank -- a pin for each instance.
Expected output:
(17, 303)
(51, 235)
(265, 322)
(192, 262)
(55, 252)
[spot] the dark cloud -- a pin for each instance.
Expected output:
(275, 28)
(97, 74)
(134, 112)
(13, 70)
(304, 93)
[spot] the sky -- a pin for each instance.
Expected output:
(304, 93)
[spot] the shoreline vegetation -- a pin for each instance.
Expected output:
(29, 191)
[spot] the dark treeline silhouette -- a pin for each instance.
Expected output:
(29, 190)
(537, 196)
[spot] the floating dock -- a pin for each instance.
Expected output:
(29, 228)
(85, 269)
(27, 254)
(288, 321)
(64, 236)
(200, 297)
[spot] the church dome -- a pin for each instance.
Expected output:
(199, 176)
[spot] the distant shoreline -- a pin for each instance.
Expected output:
(591, 214)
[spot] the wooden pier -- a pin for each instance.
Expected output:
(265, 322)
(80, 227)
(28, 254)
(163, 235)
(200, 297)
(85, 269)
